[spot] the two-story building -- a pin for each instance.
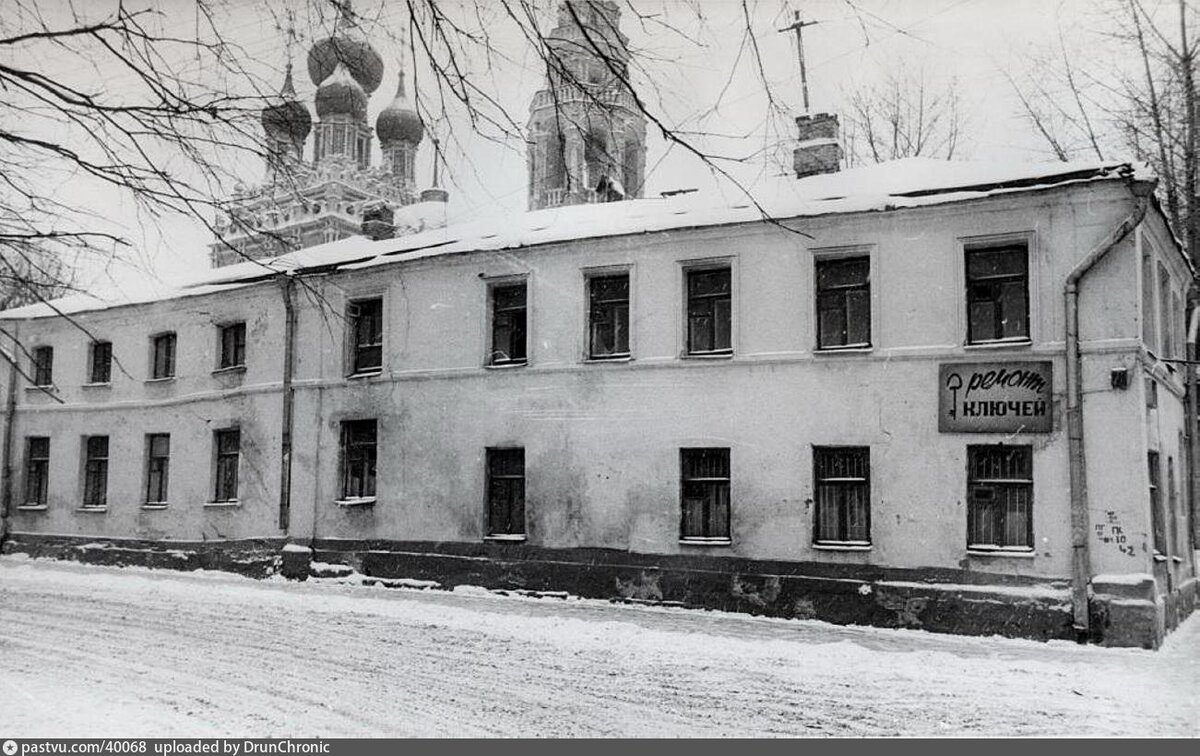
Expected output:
(924, 394)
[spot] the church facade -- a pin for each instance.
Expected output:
(920, 394)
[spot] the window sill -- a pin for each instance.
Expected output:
(999, 344)
(1021, 553)
(32, 508)
(705, 541)
(105, 385)
(229, 504)
(356, 501)
(42, 389)
(726, 355)
(364, 374)
(1160, 557)
(231, 369)
(155, 506)
(506, 537)
(97, 510)
(846, 546)
(164, 379)
(615, 358)
(836, 350)
(505, 365)
(1177, 559)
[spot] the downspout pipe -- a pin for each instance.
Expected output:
(6, 444)
(287, 287)
(1080, 519)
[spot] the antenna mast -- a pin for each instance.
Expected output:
(798, 26)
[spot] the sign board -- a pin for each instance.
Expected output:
(995, 397)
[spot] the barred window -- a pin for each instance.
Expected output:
(1000, 497)
(844, 303)
(842, 479)
(508, 324)
(608, 316)
(162, 363)
(43, 366)
(359, 446)
(709, 311)
(95, 472)
(997, 294)
(704, 488)
(228, 445)
(506, 492)
(366, 324)
(158, 464)
(101, 367)
(1158, 520)
(233, 345)
(37, 470)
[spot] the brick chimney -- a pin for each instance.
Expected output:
(378, 221)
(818, 150)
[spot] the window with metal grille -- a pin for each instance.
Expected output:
(233, 345)
(508, 324)
(95, 472)
(997, 294)
(842, 479)
(1000, 497)
(228, 445)
(844, 303)
(608, 316)
(704, 490)
(709, 311)
(101, 367)
(506, 492)
(1158, 522)
(43, 366)
(162, 364)
(158, 464)
(359, 445)
(366, 326)
(37, 470)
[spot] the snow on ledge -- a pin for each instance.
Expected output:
(1040, 590)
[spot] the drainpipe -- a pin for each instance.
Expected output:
(287, 288)
(1192, 423)
(1080, 562)
(6, 467)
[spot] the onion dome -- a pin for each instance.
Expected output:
(341, 95)
(357, 55)
(399, 122)
(287, 120)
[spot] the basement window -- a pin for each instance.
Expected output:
(1000, 498)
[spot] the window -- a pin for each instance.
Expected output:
(95, 472)
(1165, 316)
(506, 492)
(705, 495)
(1000, 497)
(1157, 520)
(101, 367)
(842, 479)
(997, 294)
(227, 444)
(233, 345)
(608, 316)
(1149, 325)
(366, 324)
(359, 442)
(163, 357)
(844, 303)
(709, 311)
(37, 470)
(158, 462)
(508, 324)
(43, 366)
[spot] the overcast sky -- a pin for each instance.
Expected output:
(699, 76)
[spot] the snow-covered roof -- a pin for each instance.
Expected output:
(911, 182)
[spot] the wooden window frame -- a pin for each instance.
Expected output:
(837, 297)
(716, 492)
(365, 344)
(608, 309)
(506, 493)
(100, 371)
(837, 490)
(359, 444)
(225, 460)
(37, 471)
(231, 344)
(513, 316)
(162, 355)
(996, 282)
(43, 366)
(95, 472)
(158, 471)
(710, 302)
(994, 486)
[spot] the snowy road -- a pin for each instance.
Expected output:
(92, 651)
